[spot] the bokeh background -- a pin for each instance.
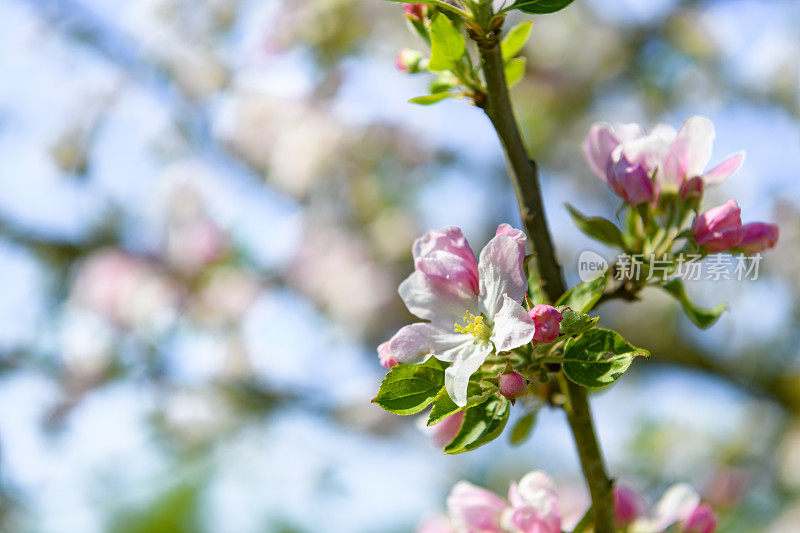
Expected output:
(206, 207)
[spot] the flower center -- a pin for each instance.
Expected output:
(475, 326)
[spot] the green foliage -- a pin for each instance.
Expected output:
(598, 228)
(584, 296)
(522, 429)
(482, 424)
(515, 39)
(540, 7)
(515, 71)
(574, 322)
(702, 318)
(447, 44)
(430, 99)
(173, 511)
(598, 358)
(408, 389)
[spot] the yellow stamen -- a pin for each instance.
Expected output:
(475, 326)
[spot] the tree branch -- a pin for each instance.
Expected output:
(524, 175)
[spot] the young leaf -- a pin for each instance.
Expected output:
(515, 71)
(443, 406)
(702, 318)
(515, 39)
(598, 358)
(447, 44)
(522, 428)
(540, 7)
(482, 424)
(573, 322)
(597, 228)
(430, 99)
(408, 389)
(582, 297)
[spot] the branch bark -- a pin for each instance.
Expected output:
(524, 175)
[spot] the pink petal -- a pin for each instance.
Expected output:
(697, 140)
(445, 431)
(436, 299)
(597, 148)
(450, 268)
(385, 356)
(512, 326)
(675, 505)
(723, 171)
(415, 343)
(448, 239)
(475, 508)
(500, 272)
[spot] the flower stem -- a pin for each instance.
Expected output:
(524, 175)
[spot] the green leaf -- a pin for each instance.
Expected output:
(598, 358)
(582, 297)
(408, 389)
(447, 44)
(534, 289)
(515, 71)
(443, 405)
(574, 322)
(540, 7)
(482, 424)
(441, 84)
(598, 228)
(522, 429)
(515, 39)
(702, 318)
(430, 99)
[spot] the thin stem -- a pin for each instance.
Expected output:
(524, 175)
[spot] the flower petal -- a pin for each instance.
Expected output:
(448, 239)
(468, 359)
(475, 508)
(435, 299)
(415, 343)
(597, 148)
(690, 153)
(675, 505)
(512, 326)
(723, 171)
(500, 272)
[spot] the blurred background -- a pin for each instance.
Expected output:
(206, 207)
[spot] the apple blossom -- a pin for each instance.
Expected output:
(472, 308)
(720, 228)
(702, 520)
(628, 505)
(534, 505)
(444, 432)
(408, 61)
(386, 360)
(414, 10)
(475, 508)
(675, 160)
(759, 236)
(547, 321)
(512, 385)
(631, 181)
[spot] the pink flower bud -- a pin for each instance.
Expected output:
(692, 188)
(512, 385)
(408, 61)
(720, 228)
(386, 360)
(702, 520)
(759, 236)
(628, 505)
(631, 182)
(414, 10)
(547, 321)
